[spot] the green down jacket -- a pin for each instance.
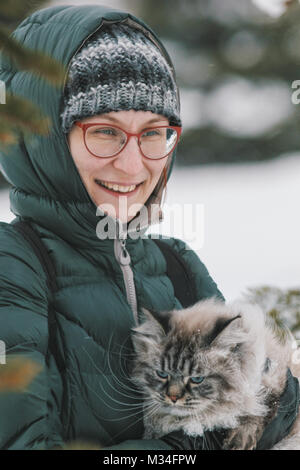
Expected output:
(91, 399)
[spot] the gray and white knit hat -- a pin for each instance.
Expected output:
(119, 68)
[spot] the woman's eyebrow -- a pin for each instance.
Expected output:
(111, 118)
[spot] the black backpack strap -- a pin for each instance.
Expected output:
(40, 250)
(179, 274)
(47, 264)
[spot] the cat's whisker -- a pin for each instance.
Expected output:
(138, 394)
(132, 424)
(135, 397)
(126, 375)
(125, 417)
(153, 410)
(121, 384)
(131, 352)
(103, 418)
(110, 398)
(128, 405)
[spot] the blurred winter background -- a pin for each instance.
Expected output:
(239, 155)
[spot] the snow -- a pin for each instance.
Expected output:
(243, 108)
(274, 8)
(240, 107)
(242, 220)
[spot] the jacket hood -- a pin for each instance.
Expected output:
(47, 187)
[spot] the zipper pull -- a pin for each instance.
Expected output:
(124, 255)
(121, 252)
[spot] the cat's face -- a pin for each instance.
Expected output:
(186, 369)
(180, 376)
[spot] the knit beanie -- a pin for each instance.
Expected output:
(119, 68)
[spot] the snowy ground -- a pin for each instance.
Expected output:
(243, 221)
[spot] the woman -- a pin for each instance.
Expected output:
(89, 171)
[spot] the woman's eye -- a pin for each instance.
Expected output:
(162, 374)
(151, 133)
(197, 380)
(105, 131)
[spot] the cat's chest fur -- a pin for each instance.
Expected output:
(163, 422)
(160, 424)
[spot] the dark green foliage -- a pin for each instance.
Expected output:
(211, 42)
(283, 305)
(18, 114)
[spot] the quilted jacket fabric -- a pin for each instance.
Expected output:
(91, 399)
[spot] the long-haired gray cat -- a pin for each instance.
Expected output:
(212, 365)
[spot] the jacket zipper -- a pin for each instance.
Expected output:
(123, 257)
(121, 252)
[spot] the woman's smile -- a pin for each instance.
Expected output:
(118, 189)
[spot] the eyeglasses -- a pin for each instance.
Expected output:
(105, 141)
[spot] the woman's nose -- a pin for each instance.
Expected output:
(130, 159)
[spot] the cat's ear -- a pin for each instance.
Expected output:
(162, 318)
(224, 333)
(153, 328)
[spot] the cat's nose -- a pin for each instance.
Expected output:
(174, 398)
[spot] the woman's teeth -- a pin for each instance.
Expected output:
(116, 187)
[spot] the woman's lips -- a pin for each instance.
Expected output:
(118, 193)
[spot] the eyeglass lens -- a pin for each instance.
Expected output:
(105, 141)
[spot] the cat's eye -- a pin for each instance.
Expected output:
(198, 379)
(162, 374)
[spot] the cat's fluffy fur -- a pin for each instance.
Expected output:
(225, 346)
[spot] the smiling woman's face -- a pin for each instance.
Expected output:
(128, 168)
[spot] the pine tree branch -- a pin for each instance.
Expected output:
(17, 374)
(27, 59)
(16, 10)
(18, 114)
(7, 134)
(21, 113)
